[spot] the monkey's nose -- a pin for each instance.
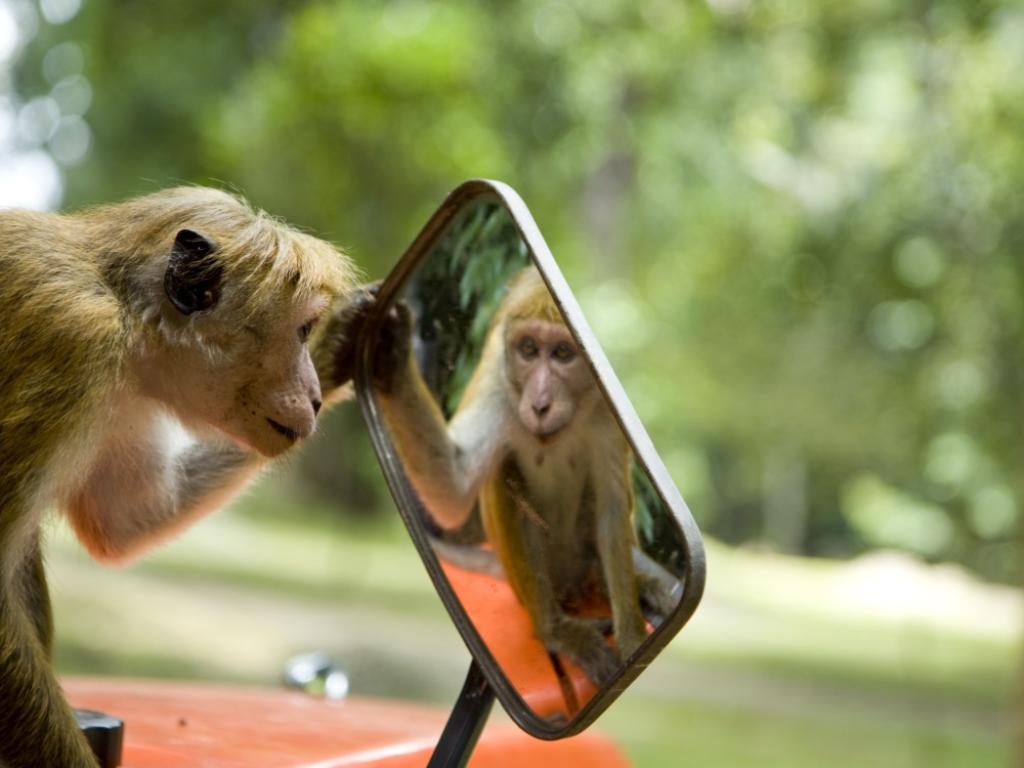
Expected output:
(317, 403)
(541, 410)
(294, 418)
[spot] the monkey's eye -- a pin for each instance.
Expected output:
(306, 329)
(527, 348)
(564, 352)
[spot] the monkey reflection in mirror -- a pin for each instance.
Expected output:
(534, 443)
(153, 356)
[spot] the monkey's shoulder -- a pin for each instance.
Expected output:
(62, 335)
(51, 285)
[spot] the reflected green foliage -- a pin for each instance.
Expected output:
(800, 223)
(457, 290)
(657, 534)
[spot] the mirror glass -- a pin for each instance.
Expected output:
(547, 535)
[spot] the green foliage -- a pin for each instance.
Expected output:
(801, 222)
(373, 115)
(459, 286)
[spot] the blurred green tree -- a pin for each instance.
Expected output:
(800, 223)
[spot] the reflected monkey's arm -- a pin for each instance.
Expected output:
(446, 463)
(614, 504)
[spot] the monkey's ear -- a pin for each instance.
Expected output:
(193, 277)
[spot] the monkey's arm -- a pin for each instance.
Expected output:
(613, 509)
(143, 491)
(333, 344)
(36, 725)
(446, 463)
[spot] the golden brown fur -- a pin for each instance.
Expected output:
(126, 413)
(535, 444)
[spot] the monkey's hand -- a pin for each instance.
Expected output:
(334, 347)
(394, 348)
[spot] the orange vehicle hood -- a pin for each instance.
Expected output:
(206, 726)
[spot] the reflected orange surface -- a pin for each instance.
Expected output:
(506, 629)
(202, 726)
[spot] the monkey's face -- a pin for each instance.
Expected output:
(227, 366)
(549, 378)
(255, 382)
(275, 399)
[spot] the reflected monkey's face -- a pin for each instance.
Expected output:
(548, 375)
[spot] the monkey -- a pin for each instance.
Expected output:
(534, 443)
(155, 355)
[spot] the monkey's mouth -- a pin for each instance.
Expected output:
(546, 436)
(281, 429)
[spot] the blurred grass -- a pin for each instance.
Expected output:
(661, 733)
(782, 665)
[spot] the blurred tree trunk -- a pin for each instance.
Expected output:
(607, 192)
(784, 499)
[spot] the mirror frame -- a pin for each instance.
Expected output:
(644, 453)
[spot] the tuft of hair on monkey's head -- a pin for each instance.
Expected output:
(528, 297)
(195, 241)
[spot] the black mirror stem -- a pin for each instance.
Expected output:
(465, 723)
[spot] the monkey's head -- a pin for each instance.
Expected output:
(550, 380)
(234, 297)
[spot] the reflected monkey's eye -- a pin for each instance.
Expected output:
(564, 352)
(527, 348)
(306, 329)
